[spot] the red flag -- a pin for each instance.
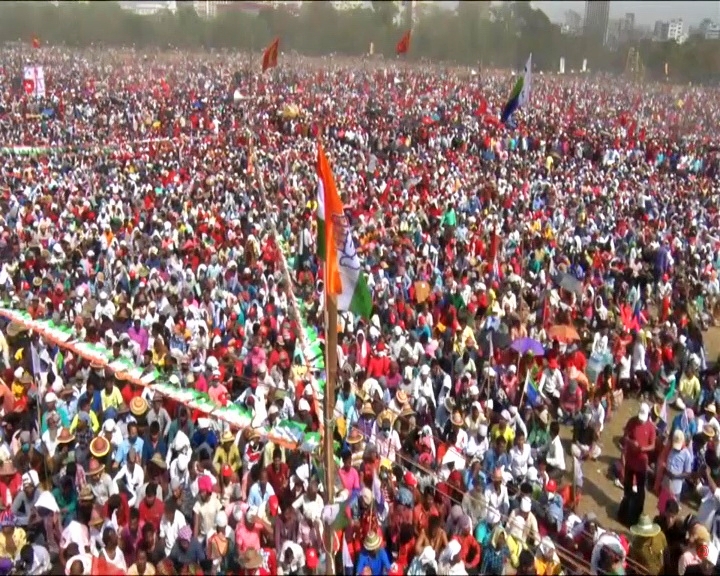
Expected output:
(36, 42)
(270, 56)
(403, 44)
(29, 85)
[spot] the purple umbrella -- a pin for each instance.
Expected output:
(528, 345)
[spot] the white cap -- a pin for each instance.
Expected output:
(251, 512)
(221, 519)
(303, 405)
(273, 410)
(19, 371)
(109, 425)
(525, 504)
(50, 397)
(30, 478)
(532, 474)
(425, 370)
(644, 412)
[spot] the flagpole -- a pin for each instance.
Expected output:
(331, 366)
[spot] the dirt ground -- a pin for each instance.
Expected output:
(599, 493)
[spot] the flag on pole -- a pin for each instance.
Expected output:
(531, 391)
(403, 45)
(270, 56)
(335, 245)
(36, 42)
(520, 94)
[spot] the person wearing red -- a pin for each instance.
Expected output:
(151, 508)
(470, 550)
(278, 473)
(638, 442)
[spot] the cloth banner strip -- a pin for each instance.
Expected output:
(289, 434)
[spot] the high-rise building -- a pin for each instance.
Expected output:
(597, 16)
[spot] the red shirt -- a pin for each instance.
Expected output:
(644, 434)
(470, 550)
(152, 514)
(278, 479)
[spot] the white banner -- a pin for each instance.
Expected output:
(562, 65)
(584, 68)
(34, 81)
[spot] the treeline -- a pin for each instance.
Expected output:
(475, 33)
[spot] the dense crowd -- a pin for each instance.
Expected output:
(526, 280)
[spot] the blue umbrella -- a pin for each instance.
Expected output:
(528, 345)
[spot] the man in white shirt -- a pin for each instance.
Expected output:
(556, 454)
(520, 457)
(497, 501)
(551, 380)
(132, 475)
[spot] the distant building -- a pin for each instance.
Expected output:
(597, 17)
(573, 23)
(673, 30)
(709, 30)
(148, 7)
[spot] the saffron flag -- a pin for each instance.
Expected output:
(520, 94)
(403, 45)
(270, 56)
(335, 246)
(35, 42)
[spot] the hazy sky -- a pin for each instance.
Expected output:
(646, 13)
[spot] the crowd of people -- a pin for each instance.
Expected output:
(527, 280)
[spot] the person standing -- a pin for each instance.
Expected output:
(639, 442)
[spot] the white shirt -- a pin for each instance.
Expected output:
(386, 445)
(520, 459)
(555, 454)
(625, 363)
(133, 480)
(497, 504)
(170, 530)
(638, 358)
(551, 382)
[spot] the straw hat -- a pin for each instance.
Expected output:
(645, 528)
(138, 406)
(7, 468)
(711, 408)
(86, 494)
(456, 419)
(96, 366)
(99, 447)
(65, 437)
(367, 410)
(251, 559)
(355, 436)
(227, 436)
(158, 461)
(95, 467)
(96, 518)
(121, 376)
(15, 328)
(123, 408)
(406, 411)
(386, 414)
(372, 542)
(401, 397)
(253, 434)
(709, 431)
